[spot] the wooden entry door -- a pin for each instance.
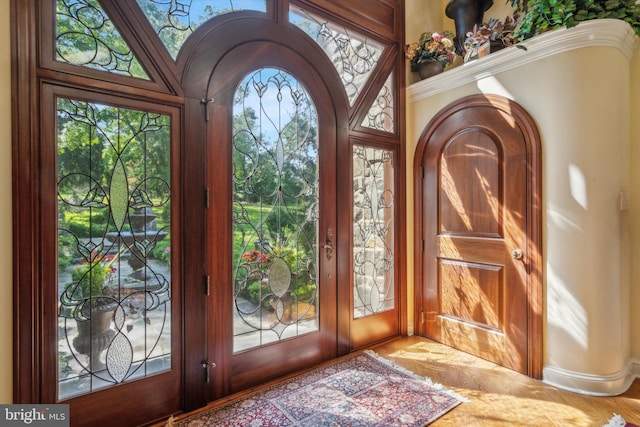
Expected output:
(270, 245)
(480, 229)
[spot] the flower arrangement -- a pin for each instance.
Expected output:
(502, 32)
(477, 43)
(93, 277)
(494, 33)
(431, 46)
(255, 256)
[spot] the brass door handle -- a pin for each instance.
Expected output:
(517, 254)
(328, 246)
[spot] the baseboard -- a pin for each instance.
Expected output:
(593, 385)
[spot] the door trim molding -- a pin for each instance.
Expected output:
(531, 137)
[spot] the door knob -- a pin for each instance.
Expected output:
(517, 254)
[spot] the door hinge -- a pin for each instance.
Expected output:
(207, 370)
(422, 317)
(206, 103)
(206, 198)
(207, 285)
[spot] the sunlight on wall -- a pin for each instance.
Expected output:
(492, 85)
(578, 185)
(564, 312)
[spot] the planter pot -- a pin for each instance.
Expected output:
(429, 68)
(496, 46)
(95, 333)
(466, 14)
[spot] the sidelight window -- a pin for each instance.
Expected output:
(373, 231)
(114, 245)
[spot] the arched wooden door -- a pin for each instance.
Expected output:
(273, 308)
(269, 124)
(478, 205)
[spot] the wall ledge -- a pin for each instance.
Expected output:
(593, 385)
(599, 32)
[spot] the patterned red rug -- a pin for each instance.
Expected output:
(360, 390)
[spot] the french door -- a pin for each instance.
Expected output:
(271, 168)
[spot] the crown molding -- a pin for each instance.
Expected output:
(598, 32)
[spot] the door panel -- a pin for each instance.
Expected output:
(274, 306)
(475, 192)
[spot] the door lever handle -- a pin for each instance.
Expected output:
(328, 246)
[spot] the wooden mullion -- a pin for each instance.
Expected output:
(108, 87)
(26, 316)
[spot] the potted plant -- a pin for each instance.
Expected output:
(501, 32)
(465, 14)
(477, 43)
(544, 15)
(431, 53)
(89, 299)
(91, 283)
(491, 36)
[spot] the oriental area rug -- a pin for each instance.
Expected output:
(359, 390)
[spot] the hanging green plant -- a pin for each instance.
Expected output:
(540, 16)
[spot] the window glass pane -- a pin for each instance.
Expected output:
(275, 210)
(175, 20)
(373, 231)
(353, 54)
(114, 245)
(86, 36)
(380, 116)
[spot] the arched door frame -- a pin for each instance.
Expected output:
(525, 122)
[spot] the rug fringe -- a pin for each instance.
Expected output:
(169, 422)
(405, 371)
(618, 421)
